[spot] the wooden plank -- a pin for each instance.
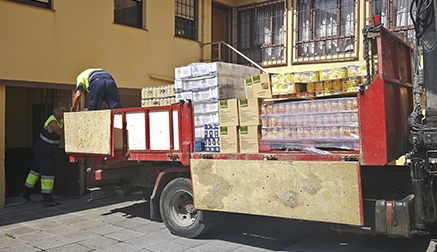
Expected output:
(317, 191)
(88, 132)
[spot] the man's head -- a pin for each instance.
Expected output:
(58, 110)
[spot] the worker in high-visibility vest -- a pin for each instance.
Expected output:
(101, 87)
(44, 151)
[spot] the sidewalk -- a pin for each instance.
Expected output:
(115, 224)
(79, 225)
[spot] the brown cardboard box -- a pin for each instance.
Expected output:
(249, 111)
(228, 110)
(248, 87)
(261, 86)
(229, 139)
(249, 138)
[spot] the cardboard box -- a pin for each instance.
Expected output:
(205, 107)
(248, 87)
(184, 96)
(182, 72)
(228, 110)
(249, 111)
(261, 86)
(249, 138)
(202, 119)
(200, 69)
(229, 139)
(203, 96)
(178, 86)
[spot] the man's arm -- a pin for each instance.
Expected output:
(76, 97)
(54, 127)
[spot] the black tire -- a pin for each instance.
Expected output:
(178, 213)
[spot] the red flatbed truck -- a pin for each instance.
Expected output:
(352, 189)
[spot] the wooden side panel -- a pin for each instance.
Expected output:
(88, 132)
(317, 191)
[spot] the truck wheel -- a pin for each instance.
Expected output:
(178, 212)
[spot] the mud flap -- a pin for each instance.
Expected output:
(394, 217)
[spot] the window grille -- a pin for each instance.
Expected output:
(261, 32)
(326, 30)
(186, 21)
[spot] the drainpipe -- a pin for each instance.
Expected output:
(202, 31)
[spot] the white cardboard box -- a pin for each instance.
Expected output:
(182, 72)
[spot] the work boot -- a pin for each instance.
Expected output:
(25, 196)
(50, 203)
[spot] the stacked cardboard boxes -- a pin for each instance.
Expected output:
(205, 84)
(229, 126)
(249, 111)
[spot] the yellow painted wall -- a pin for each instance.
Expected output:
(55, 45)
(2, 147)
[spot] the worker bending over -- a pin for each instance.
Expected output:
(101, 87)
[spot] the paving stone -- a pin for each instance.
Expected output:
(63, 230)
(97, 242)
(73, 219)
(152, 239)
(190, 242)
(81, 235)
(21, 217)
(168, 247)
(123, 235)
(150, 227)
(6, 241)
(53, 242)
(18, 230)
(130, 223)
(35, 236)
(45, 223)
(121, 247)
(105, 229)
(218, 246)
(20, 248)
(74, 247)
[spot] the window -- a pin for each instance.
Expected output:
(186, 25)
(128, 12)
(261, 32)
(396, 17)
(325, 28)
(47, 4)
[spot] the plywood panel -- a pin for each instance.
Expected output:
(88, 132)
(318, 191)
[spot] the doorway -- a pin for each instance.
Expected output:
(26, 111)
(220, 27)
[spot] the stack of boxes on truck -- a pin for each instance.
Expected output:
(323, 123)
(205, 84)
(236, 111)
(240, 119)
(158, 96)
(325, 82)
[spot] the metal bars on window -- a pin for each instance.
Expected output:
(186, 20)
(128, 12)
(261, 32)
(325, 30)
(395, 16)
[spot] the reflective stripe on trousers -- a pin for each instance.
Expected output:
(31, 179)
(47, 183)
